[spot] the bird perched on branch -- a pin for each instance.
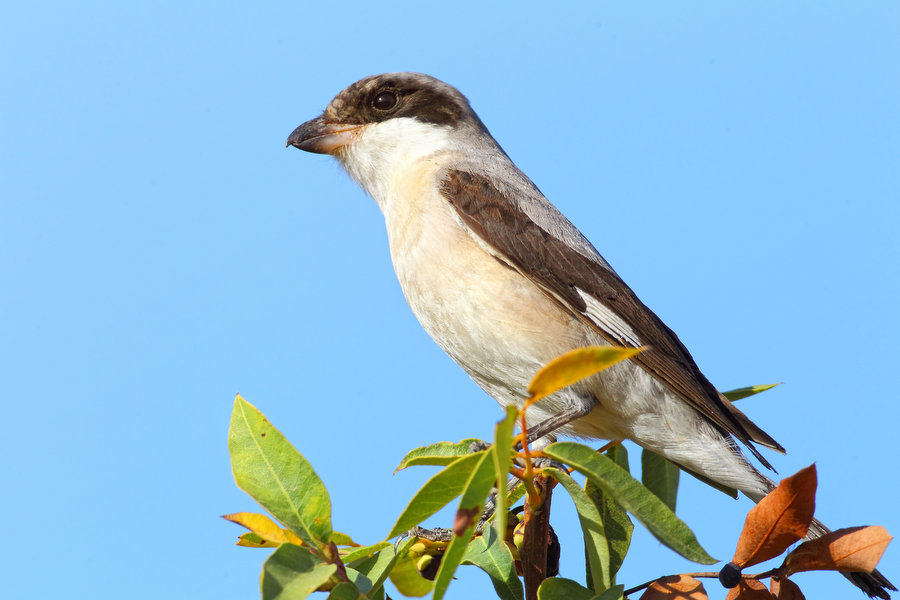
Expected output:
(504, 283)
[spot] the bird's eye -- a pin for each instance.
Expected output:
(385, 101)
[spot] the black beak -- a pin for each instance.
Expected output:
(322, 137)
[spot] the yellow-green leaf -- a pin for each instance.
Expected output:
(437, 492)
(596, 547)
(738, 394)
(660, 477)
(251, 540)
(344, 591)
(475, 492)
(293, 573)
(264, 527)
(356, 553)
(450, 561)
(342, 539)
(407, 580)
(490, 553)
(440, 453)
(634, 497)
(502, 453)
(377, 567)
(574, 366)
(269, 468)
(560, 588)
(617, 528)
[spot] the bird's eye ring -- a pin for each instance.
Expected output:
(385, 100)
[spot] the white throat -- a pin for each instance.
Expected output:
(383, 151)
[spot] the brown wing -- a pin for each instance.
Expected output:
(561, 271)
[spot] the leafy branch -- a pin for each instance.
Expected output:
(518, 545)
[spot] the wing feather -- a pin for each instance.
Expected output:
(588, 288)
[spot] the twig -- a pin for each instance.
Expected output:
(536, 537)
(702, 575)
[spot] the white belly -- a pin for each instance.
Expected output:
(501, 329)
(493, 322)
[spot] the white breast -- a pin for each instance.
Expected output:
(493, 322)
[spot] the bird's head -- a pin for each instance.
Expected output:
(383, 125)
(384, 103)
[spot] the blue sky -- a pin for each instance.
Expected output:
(162, 250)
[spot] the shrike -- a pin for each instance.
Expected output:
(504, 283)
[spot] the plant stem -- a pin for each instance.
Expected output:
(701, 575)
(533, 553)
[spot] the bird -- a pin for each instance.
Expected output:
(504, 283)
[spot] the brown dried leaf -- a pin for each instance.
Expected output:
(779, 520)
(749, 589)
(855, 549)
(785, 589)
(675, 587)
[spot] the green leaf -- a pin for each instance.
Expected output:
(407, 579)
(474, 493)
(493, 556)
(359, 581)
(560, 588)
(269, 468)
(511, 499)
(616, 525)
(293, 573)
(377, 568)
(634, 497)
(619, 455)
(451, 559)
(660, 477)
(502, 453)
(344, 591)
(342, 539)
(515, 495)
(364, 551)
(437, 492)
(596, 547)
(441, 453)
(479, 485)
(613, 593)
(738, 394)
